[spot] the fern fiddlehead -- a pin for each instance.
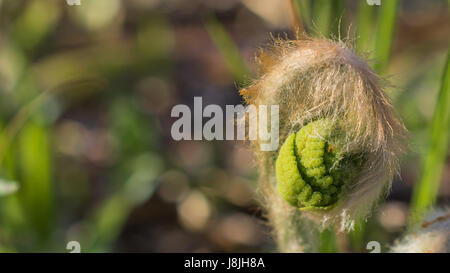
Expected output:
(311, 170)
(341, 139)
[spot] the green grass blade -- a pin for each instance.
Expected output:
(356, 237)
(326, 16)
(303, 9)
(426, 190)
(322, 11)
(385, 32)
(328, 241)
(365, 27)
(36, 188)
(338, 22)
(228, 49)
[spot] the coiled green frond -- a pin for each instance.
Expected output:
(311, 167)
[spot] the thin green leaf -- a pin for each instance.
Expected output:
(426, 190)
(230, 52)
(385, 33)
(338, 22)
(36, 187)
(303, 9)
(365, 27)
(322, 11)
(328, 241)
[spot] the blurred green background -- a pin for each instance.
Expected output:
(85, 98)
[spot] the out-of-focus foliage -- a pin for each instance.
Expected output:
(426, 191)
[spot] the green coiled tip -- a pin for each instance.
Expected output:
(311, 169)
